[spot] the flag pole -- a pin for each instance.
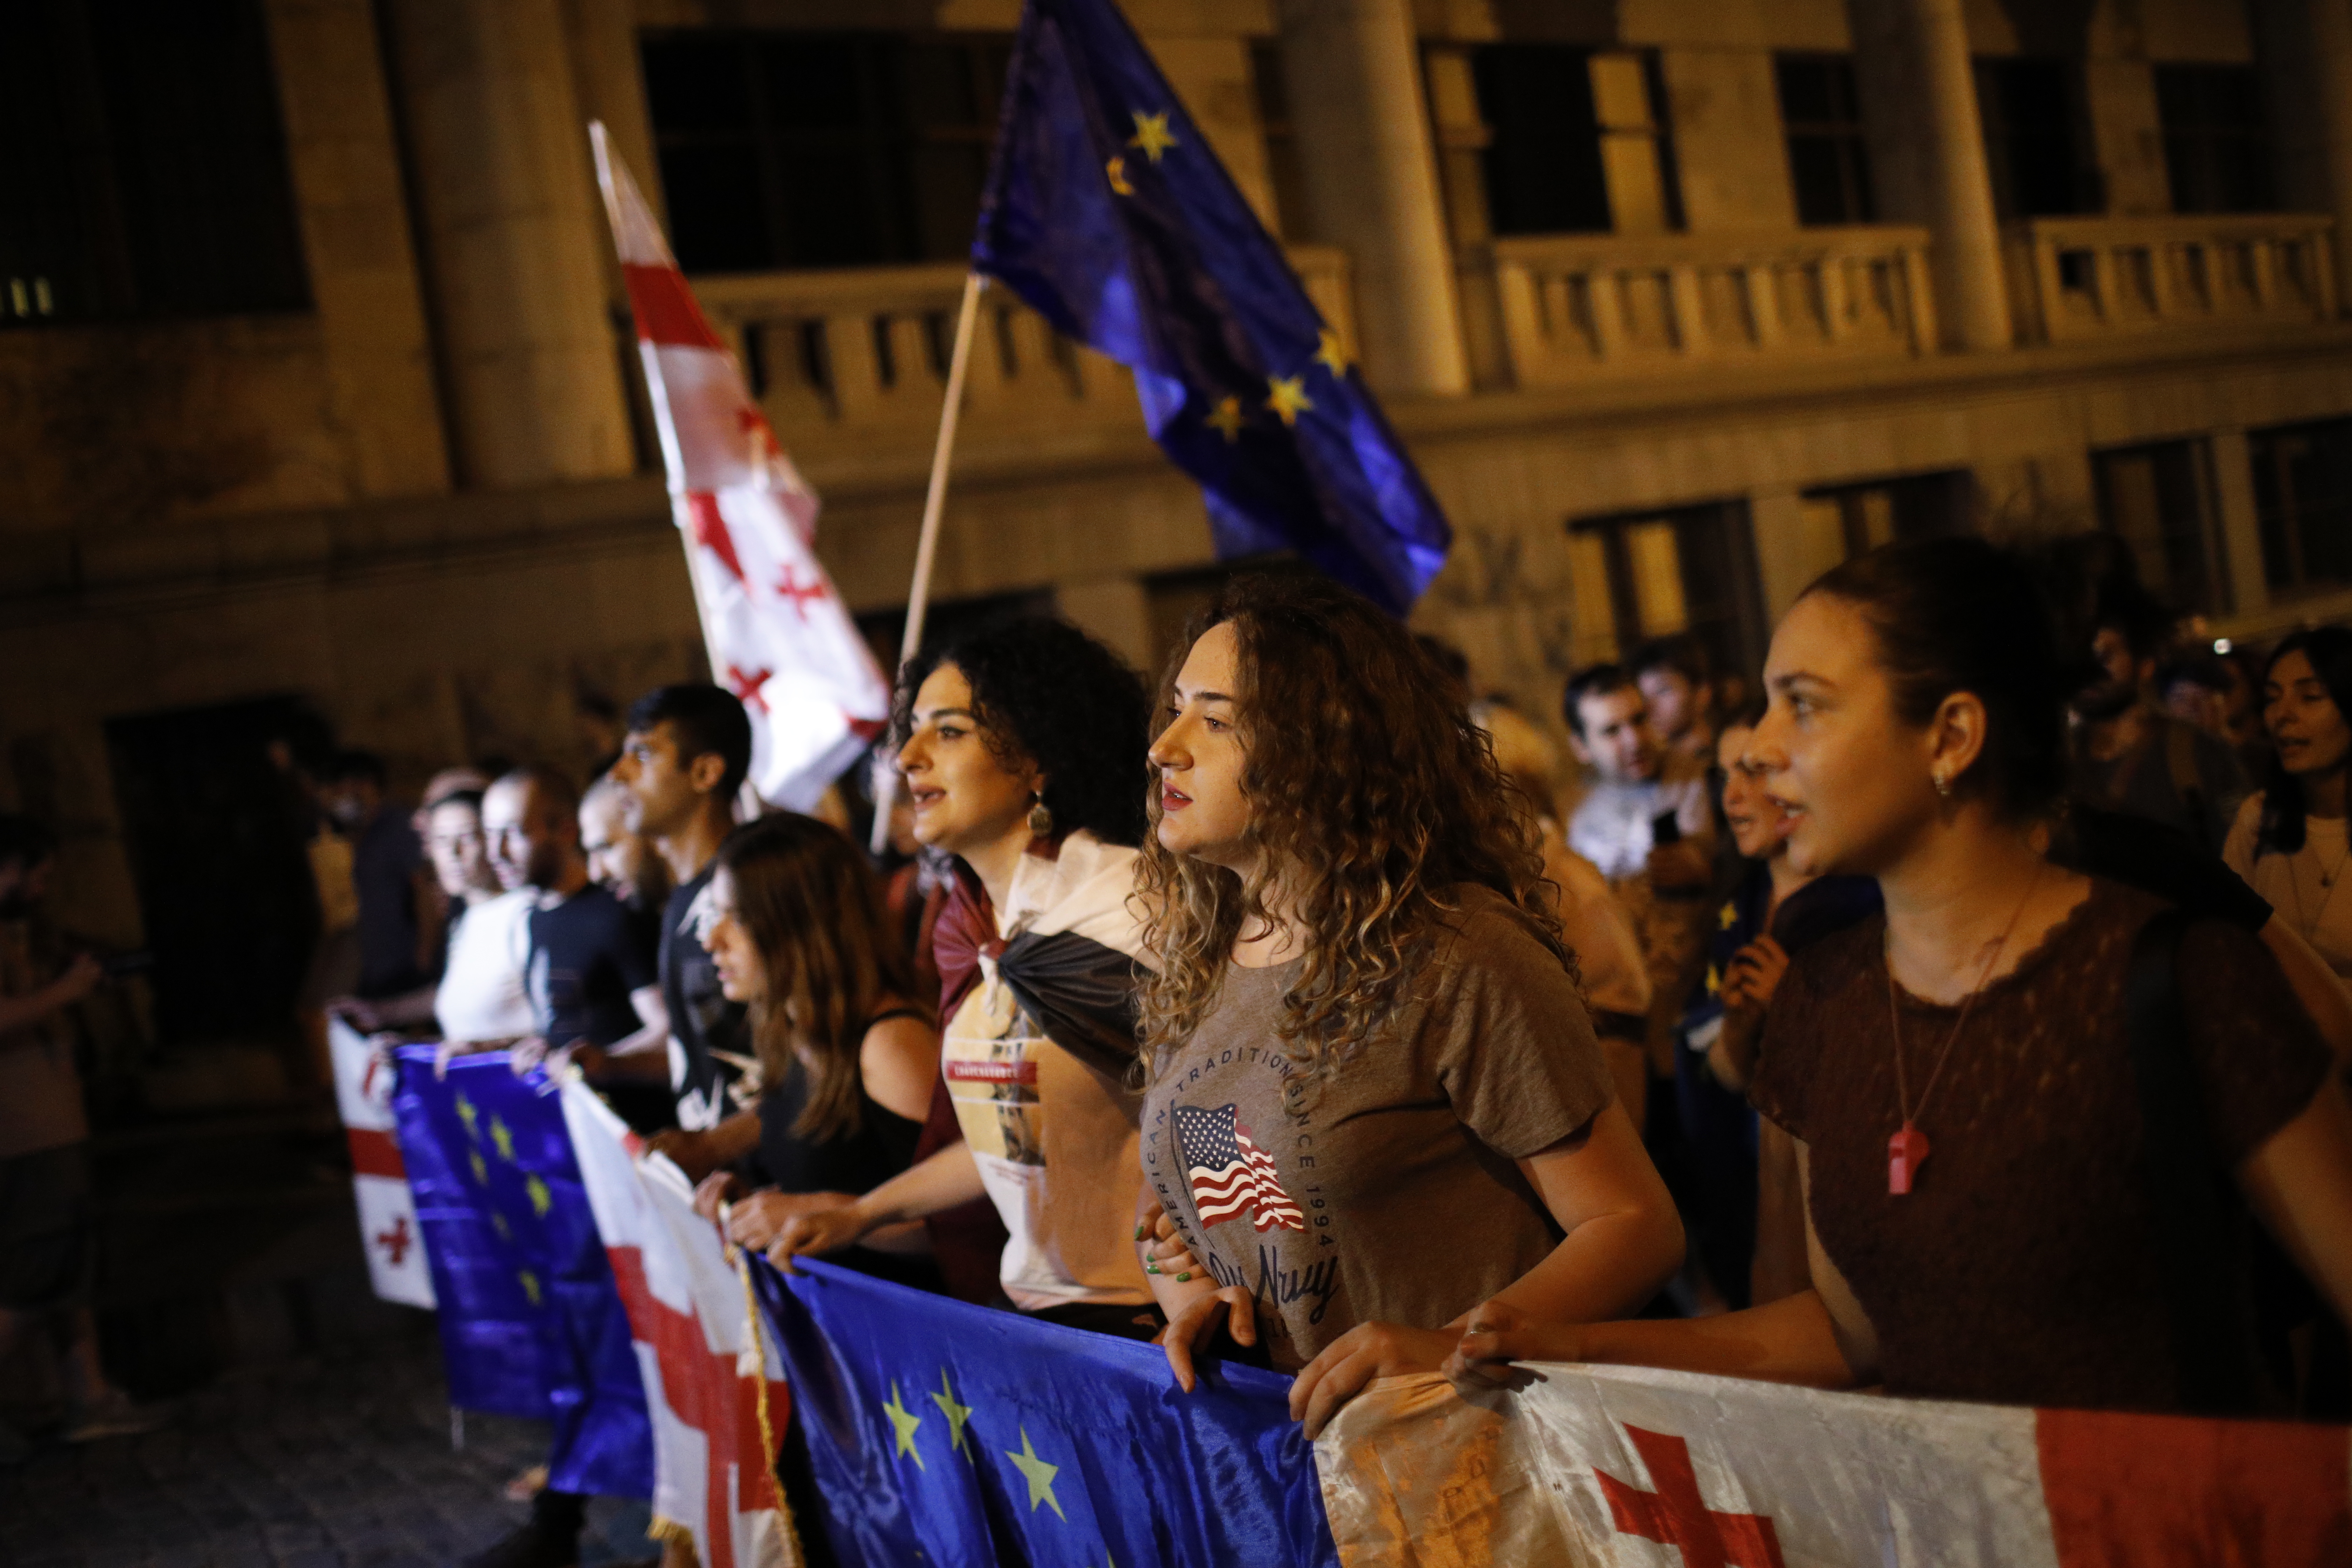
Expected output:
(935, 501)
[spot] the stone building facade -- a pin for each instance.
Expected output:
(315, 385)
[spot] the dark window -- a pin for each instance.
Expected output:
(142, 162)
(2158, 499)
(1543, 157)
(2303, 492)
(1692, 570)
(783, 150)
(1917, 506)
(1829, 163)
(2215, 148)
(2028, 107)
(1282, 162)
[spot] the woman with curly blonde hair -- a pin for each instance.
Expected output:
(1375, 1097)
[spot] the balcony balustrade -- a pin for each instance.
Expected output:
(2073, 278)
(1577, 305)
(859, 358)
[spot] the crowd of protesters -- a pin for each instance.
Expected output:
(1896, 1027)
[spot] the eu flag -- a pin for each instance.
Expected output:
(1107, 212)
(532, 1322)
(941, 1433)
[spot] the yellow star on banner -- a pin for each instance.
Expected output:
(1728, 917)
(1116, 170)
(1714, 980)
(905, 1421)
(466, 1115)
(1039, 1475)
(540, 1200)
(1332, 355)
(957, 1415)
(499, 1223)
(1286, 395)
(481, 1171)
(529, 1285)
(1151, 135)
(1226, 418)
(503, 1139)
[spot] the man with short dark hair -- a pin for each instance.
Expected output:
(2129, 755)
(688, 751)
(1677, 681)
(620, 858)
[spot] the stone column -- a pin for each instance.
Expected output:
(2305, 48)
(511, 231)
(1363, 138)
(2239, 518)
(1927, 154)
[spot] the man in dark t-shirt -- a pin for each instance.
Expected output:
(683, 762)
(586, 957)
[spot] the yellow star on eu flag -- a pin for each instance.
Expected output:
(1151, 135)
(1286, 395)
(1226, 418)
(503, 1139)
(499, 1223)
(957, 1415)
(1116, 170)
(1332, 355)
(481, 1171)
(466, 1114)
(529, 1285)
(1728, 917)
(1039, 1475)
(905, 1421)
(1714, 980)
(540, 1199)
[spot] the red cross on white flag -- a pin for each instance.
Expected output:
(778, 632)
(387, 1209)
(706, 1366)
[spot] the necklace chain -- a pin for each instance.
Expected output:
(1895, 1009)
(2327, 881)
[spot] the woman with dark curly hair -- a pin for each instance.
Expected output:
(1375, 1099)
(1022, 749)
(2289, 842)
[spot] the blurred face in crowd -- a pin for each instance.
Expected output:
(662, 791)
(453, 842)
(1199, 759)
(964, 795)
(621, 861)
(2123, 675)
(528, 840)
(1617, 740)
(1756, 820)
(351, 803)
(1675, 703)
(743, 972)
(1855, 781)
(2305, 724)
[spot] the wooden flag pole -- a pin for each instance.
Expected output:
(935, 501)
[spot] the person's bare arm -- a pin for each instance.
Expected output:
(653, 1024)
(699, 1152)
(1819, 1337)
(2300, 1182)
(409, 1010)
(18, 1013)
(899, 1061)
(948, 1178)
(2316, 985)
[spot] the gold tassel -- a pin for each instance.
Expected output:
(756, 1337)
(670, 1533)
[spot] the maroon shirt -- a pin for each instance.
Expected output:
(2020, 1268)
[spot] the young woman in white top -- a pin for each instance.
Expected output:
(2289, 842)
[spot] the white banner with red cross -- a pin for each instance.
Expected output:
(1659, 1469)
(713, 1384)
(387, 1209)
(779, 635)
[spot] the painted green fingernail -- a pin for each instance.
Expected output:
(1150, 1268)
(1185, 1277)
(1138, 1233)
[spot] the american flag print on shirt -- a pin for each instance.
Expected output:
(1230, 1174)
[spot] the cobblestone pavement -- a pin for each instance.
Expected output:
(340, 1462)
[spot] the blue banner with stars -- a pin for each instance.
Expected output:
(532, 1322)
(1107, 212)
(948, 1434)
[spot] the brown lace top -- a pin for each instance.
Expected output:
(2020, 1266)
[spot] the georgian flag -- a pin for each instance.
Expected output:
(387, 1209)
(1628, 1467)
(713, 1384)
(780, 637)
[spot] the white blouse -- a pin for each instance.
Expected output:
(2307, 889)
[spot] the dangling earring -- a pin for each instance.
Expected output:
(1943, 784)
(1041, 821)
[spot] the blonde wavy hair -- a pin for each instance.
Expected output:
(1372, 796)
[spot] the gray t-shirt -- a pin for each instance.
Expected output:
(1387, 1193)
